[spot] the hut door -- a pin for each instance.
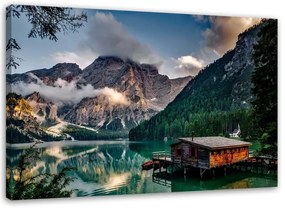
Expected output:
(193, 151)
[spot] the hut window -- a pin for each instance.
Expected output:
(222, 152)
(237, 149)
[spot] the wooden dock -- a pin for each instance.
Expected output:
(162, 156)
(161, 160)
(211, 154)
(260, 165)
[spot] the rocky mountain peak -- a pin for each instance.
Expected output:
(44, 109)
(65, 71)
(66, 66)
(35, 96)
(150, 69)
(143, 90)
(147, 91)
(223, 87)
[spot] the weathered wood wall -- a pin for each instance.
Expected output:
(189, 155)
(228, 156)
(183, 154)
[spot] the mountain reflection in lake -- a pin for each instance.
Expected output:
(114, 167)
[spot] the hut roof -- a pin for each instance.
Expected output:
(214, 142)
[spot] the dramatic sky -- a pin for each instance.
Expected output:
(177, 44)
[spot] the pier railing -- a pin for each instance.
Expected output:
(161, 155)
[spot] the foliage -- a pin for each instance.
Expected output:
(25, 186)
(264, 89)
(22, 127)
(85, 134)
(216, 123)
(204, 106)
(13, 136)
(208, 106)
(46, 22)
(17, 106)
(43, 136)
(12, 46)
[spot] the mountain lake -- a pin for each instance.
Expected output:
(114, 168)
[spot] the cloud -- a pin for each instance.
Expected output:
(189, 62)
(188, 65)
(182, 66)
(220, 37)
(107, 36)
(64, 92)
(201, 18)
(114, 97)
(83, 59)
(223, 32)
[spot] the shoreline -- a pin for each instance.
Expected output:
(66, 143)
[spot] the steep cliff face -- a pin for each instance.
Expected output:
(140, 83)
(22, 124)
(146, 90)
(122, 92)
(241, 66)
(43, 109)
(99, 113)
(229, 78)
(221, 88)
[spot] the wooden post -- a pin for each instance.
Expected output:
(225, 171)
(201, 173)
(213, 171)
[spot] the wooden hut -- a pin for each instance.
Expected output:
(208, 152)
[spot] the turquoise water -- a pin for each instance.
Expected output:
(114, 167)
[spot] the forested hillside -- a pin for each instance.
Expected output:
(215, 102)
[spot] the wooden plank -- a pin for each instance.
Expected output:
(229, 156)
(214, 142)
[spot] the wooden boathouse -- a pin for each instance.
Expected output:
(209, 152)
(204, 153)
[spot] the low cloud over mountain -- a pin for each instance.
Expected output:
(64, 92)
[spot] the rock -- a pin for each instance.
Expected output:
(146, 91)
(45, 110)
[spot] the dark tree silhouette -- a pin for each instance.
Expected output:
(43, 185)
(46, 22)
(264, 89)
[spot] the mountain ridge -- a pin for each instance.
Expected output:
(219, 96)
(112, 80)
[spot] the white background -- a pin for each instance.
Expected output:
(250, 199)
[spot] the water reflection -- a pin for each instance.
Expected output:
(240, 180)
(114, 167)
(111, 168)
